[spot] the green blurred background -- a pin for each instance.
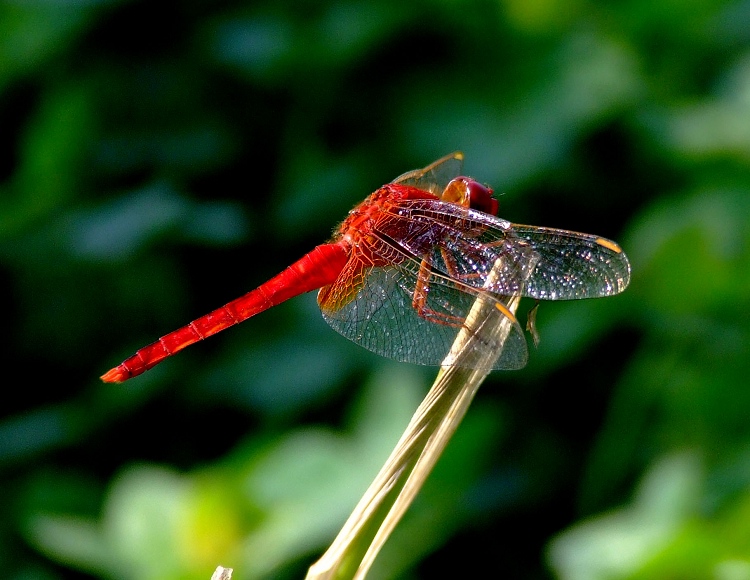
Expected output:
(161, 158)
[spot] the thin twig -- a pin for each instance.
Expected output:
(470, 360)
(222, 573)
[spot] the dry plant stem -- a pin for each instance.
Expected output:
(478, 345)
(222, 573)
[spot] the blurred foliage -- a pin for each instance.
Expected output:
(161, 158)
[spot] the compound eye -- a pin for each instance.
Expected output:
(480, 198)
(466, 192)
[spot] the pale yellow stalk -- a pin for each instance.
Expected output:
(470, 360)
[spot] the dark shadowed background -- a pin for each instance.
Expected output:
(161, 158)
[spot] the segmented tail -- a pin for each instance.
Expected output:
(316, 269)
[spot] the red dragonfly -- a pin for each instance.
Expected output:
(406, 266)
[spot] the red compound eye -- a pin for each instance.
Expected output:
(469, 193)
(480, 197)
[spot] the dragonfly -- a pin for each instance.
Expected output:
(404, 268)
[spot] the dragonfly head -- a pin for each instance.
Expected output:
(466, 192)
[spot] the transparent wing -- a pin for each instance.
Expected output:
(573, 265)
(448, 252)
(569, 265)
(435, 176)
(382, 319)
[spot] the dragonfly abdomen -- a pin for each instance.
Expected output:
(314, 270)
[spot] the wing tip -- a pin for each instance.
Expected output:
(609, 244)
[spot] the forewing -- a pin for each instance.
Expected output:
(565, 265)
(573, 265)
(435, 176)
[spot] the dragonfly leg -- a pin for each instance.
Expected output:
(452, 267)
(421, 294)
(531, 323)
